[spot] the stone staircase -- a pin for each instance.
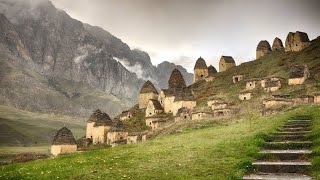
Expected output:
(286, 154)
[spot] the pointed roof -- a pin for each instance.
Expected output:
(176, 80)
(100, 119)
(64, 136)
(117, 126)
(156, 104)
(148, 87)
(212, 70)
(277, 44)
(303, 36)
(200, 64)
(263, 45)
(227, 59)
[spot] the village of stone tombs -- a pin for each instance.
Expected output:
(178, 104)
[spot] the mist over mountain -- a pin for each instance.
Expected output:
(53, 63)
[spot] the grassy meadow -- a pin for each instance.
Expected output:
(221, 151)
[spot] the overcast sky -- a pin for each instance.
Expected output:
(180, 31)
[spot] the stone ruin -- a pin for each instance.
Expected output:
(245, 95)
(237, 78)
(117, 134)
(63, 142)
(297, 41)
(154, 107)
(200, 70)
(148, 91)
(277, 45)
(298, 74)
(226, 62)
(263, 49)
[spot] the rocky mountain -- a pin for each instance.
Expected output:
(53, 63)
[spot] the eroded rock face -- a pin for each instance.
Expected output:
(297, 41)
(263, 49)
(277, 44)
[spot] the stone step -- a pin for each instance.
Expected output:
(282, 145)
(282, 166)
(288, 137)
(295, 129)
(292, 133)
(288, 154)
(295, 125)
(296, 120)
(277, 176)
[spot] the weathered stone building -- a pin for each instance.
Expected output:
(183, 114)
(177, 95)
(316, 98)
(277, 45)
(237, 78)
(154, 107)
(304, 99)
(117, 134)
(155, 123)
(126, 115)
(245, 95)
(226, 62)
(297, 41)
(202, 114)
(98, 126)
(200, 70)
(271, 84)
(277, 102)
(219, 105)
(298, 74)
(212, 70)
(135, 137)
(148, 91)
(253, 83)
(263, 49)
(223, 112)
(214, 100)
(63, 142)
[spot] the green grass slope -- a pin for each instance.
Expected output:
(23, 128)
(223, 151)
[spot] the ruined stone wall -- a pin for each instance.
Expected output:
(99, 134)
(245, 96)
(237, 78)
(201, 115)
(180, 104)
(89, 129)
(144, 99)
(296, 81)
(222, 112)
(261, 53)
(154, 123)
(251, 85)
(116, 136)
(317, 99)
(183, 116)
(219, 106)
(200, 74)
(132, 139)
(225, 66)
(63, 149)
(276, 103)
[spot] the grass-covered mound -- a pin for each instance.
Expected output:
(219, 152)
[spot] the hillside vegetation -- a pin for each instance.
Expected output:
(276, 64)
(222, 151)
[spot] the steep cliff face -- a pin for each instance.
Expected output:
(74, 66)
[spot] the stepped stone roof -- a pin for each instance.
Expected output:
(263, 45)
(100, 119)
(227, 59)
(200, 64)
(64, 137)
(297, 71)
(183, 110)
(117, 126)
(303, 36)
(277, 44)
(176, 80)
(212, 70)
(156, 104)
(148, 87)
